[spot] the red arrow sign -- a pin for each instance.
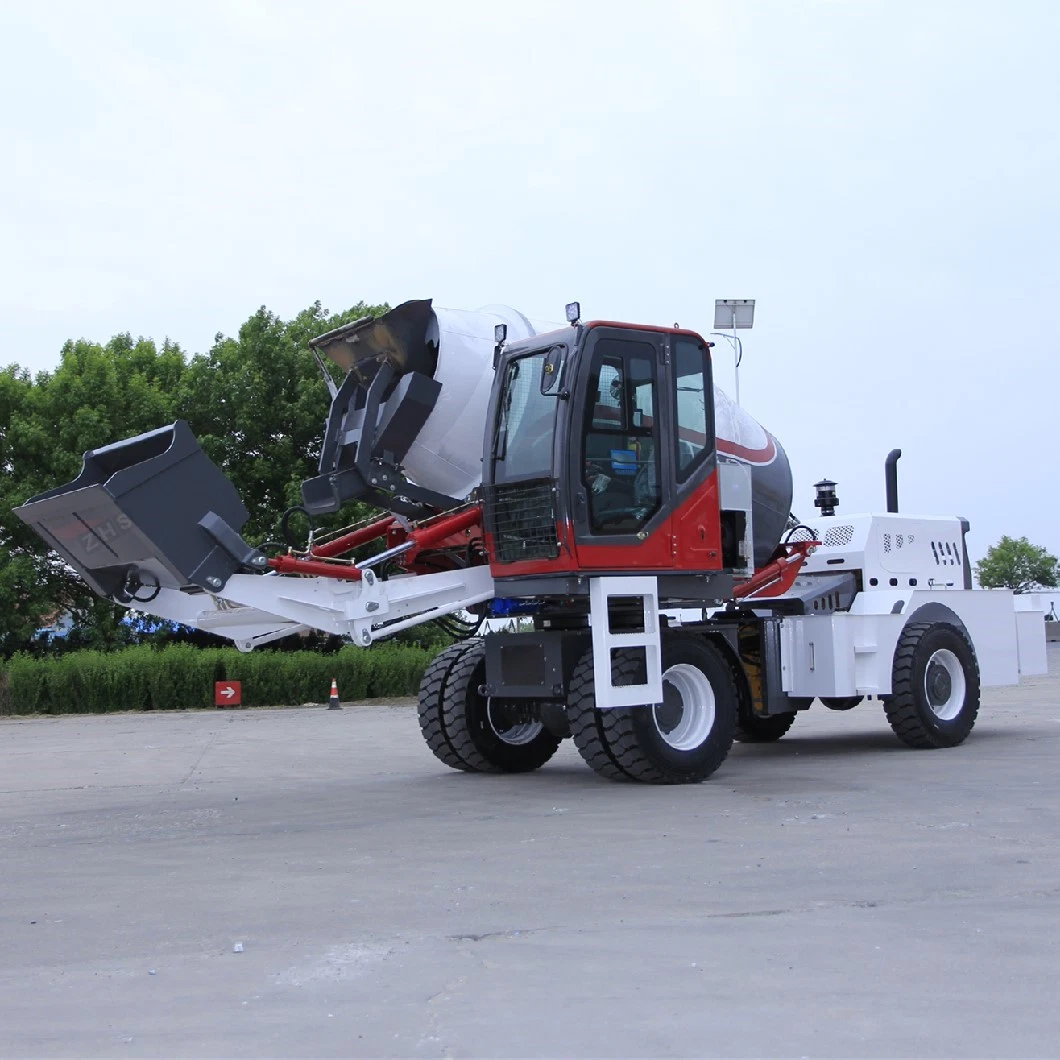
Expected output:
(227, 694)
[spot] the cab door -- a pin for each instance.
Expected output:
(621, 469)
(697, 507)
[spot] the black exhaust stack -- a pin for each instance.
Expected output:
(890, 467)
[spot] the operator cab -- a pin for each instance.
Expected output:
(601, 455)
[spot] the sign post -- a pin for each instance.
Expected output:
(228, 694)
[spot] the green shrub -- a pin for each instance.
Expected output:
(182, 676)
(24, 685)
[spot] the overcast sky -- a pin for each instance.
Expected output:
(884, 178)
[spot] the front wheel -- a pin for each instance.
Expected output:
(934, 698)
(679, 741)
(487, 735)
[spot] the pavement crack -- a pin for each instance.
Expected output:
(202, 755)
(511, 934)
(750, 912)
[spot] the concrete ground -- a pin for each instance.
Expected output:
(314, 883)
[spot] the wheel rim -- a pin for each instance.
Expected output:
(686, 715)
(517, 733)
(944, 685)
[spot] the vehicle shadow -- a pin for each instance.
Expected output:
(568, 772)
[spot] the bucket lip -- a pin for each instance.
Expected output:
(320, 341)
(399, 336)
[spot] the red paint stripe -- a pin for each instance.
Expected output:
(647, 327)
(754, 456)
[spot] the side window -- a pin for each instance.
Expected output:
(694, 403)
(621, 453)
(607, 411)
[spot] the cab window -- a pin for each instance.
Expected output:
(620, 448)
(694, 402)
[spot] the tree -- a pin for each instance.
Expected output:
(257, 405)
(1016, 564)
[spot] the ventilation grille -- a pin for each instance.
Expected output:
(802, 533)
(838, 536)
(946, 553)
(522, 520)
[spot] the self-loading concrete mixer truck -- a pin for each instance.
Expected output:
(590, 484)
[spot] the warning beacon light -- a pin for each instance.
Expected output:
(826, 498)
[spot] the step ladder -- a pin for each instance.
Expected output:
(601, 592)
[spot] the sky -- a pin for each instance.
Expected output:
(882, 177)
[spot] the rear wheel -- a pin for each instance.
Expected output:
(841, 702)
(680, 741)
(489, 735)
(934, 697)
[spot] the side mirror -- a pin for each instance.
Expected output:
(552, 369)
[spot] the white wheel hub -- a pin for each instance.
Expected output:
(686, 716)
(944, 684)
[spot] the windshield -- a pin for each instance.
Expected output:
(522, 446)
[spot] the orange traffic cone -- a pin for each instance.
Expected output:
(333, 702)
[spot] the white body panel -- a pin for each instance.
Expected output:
(737, 494)
(1031, 609)
(906, 563)
(898, 551)
(852, 653)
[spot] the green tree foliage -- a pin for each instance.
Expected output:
(1014, 563)
(256, 402)
(23, 595)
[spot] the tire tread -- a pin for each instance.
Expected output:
(429, 705)
(901, 708)
(607, 739)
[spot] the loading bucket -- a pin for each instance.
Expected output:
(151, 511)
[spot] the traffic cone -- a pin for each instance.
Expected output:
(333, 702)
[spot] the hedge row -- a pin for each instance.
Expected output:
(181, 676)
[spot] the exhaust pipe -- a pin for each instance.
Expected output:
(890, 471)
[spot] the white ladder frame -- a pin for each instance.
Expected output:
(601, 590)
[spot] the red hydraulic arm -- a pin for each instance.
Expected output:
(779, 576)
(322, 560)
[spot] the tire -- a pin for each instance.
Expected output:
(682, 741)
(751, 728)
(484, 735)
(934, 697)
(841, 702)
(432, 688)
